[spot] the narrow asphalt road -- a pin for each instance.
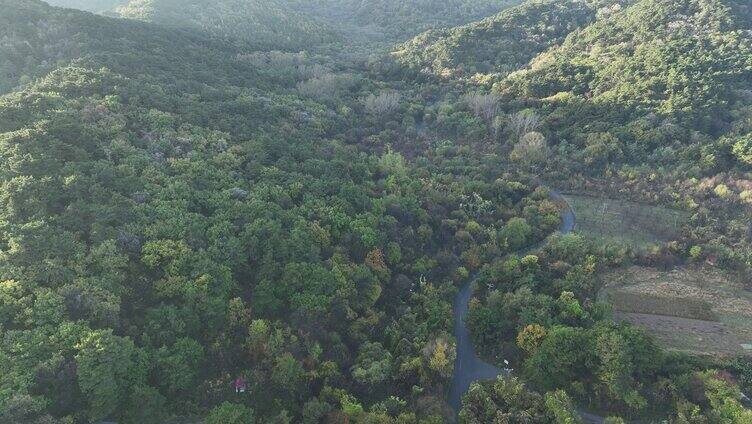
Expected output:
(468, 367)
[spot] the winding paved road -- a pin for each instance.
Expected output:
(468, 367)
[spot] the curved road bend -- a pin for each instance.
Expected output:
(468, 367)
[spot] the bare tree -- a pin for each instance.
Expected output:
(383, 104)
(531, 150)
(326, 86)
(300, 65)
(524, 122)
(485, 106)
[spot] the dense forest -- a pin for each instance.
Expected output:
(101, 6)
(300, 24)
(262, 211)
(266, 24)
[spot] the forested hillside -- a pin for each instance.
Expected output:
(246, 212)
(263, 24)
(398, 19)
(173, 222)
(499, 44)
(658, 82)
(98, 6)
(690, 59)
(38, 39)
(300, 24)
(646, 100)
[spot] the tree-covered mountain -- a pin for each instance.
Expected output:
(178, 214)
(690, 58)
(397, 20)
(298, 24)
(97, 6)
(687, 63)
(662, 55)
(644, 99)
(38, 39)
(265, 24)
(610, 65)
(216, 196)
(499, 44)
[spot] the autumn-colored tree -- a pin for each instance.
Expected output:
(531, 337)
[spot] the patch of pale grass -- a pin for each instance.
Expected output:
(625, 222)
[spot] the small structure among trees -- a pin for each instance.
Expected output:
(240, 384)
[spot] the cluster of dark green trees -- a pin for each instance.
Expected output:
(176, 216)
(193, 199)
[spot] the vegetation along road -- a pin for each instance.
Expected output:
(468, 366)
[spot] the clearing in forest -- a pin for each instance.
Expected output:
(634, 224)
(693, 309)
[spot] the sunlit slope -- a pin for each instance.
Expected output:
(691, 58)
(99, 6)
(498, 44)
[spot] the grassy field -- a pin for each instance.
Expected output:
(630, 223)
(691, 309)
